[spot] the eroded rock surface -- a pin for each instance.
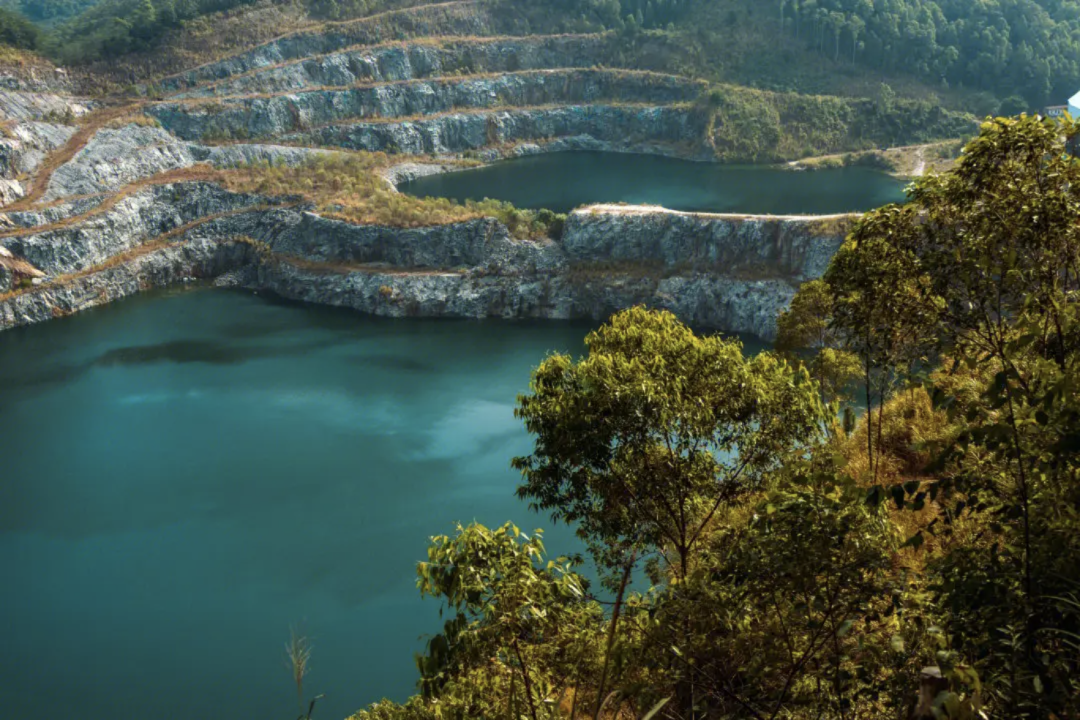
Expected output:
(106, 208)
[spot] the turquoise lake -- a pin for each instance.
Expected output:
(563, 181)
(188, 473)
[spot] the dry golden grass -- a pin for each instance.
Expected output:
(349, 187)
(137, 118)
(21, 60)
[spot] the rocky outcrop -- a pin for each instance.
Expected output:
(704, 300)
(450, 19)
(132, 221)
(793, 248)
(708, 269)
(483, 244)
(414, 61)
(22, 149)
(280, 114)
(476, 269)
(613, 127)
(118, 157)
(22, 106)
(200, 257)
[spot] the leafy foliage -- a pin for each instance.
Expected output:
(979, 272)
(1024, 47)
(116, 27)
(645, 440)
(18, 32)
(923, 562)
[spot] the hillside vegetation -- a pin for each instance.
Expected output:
(804, 566)
(975, 54)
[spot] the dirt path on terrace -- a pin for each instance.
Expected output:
(316, 27)
(88, 126)
(640, 210)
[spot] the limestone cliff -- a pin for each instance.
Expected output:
(727, 272)
(106, 197)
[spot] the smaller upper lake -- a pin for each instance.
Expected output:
(563, 181)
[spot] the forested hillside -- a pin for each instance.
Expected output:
(1029, 48)
(970, 53)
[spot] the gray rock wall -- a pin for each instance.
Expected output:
(782, 247)
(397, 62)
(199, 258)
(726, 272)
(616, 126)
(280, 114)
(449, 19)
(132, 221)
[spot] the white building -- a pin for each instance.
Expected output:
(1074, 106)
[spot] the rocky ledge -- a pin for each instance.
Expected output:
(727, 272)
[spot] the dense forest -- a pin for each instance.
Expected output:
(1022, 47)
(805, 563)
(1028, 48)
(1027, 51)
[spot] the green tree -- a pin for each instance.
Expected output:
(989, 257)
(804, 328)
(641, 442)
(790, 611)
(17, 31)
(523, 621)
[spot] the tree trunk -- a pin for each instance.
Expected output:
(611, 632)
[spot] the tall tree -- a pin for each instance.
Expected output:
(641, 442)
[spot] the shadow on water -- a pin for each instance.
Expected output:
(210, 352)
(166, 510)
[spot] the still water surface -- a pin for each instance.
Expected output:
(186, 474)
(563, 181)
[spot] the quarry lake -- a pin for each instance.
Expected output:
(563, 181)
(188, 473)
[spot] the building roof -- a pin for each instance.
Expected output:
(1074, 105)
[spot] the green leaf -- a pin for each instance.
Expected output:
(655, 709)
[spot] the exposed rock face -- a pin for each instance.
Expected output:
(23, 150)
(614, 126)
(795, 248)
(463, 19)
(199, 258)
(698, 266)
(280, 114)
(132, 221)
(117, 157)
(398, 62)
(483, 243)
(101, 219)
(22, 106)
